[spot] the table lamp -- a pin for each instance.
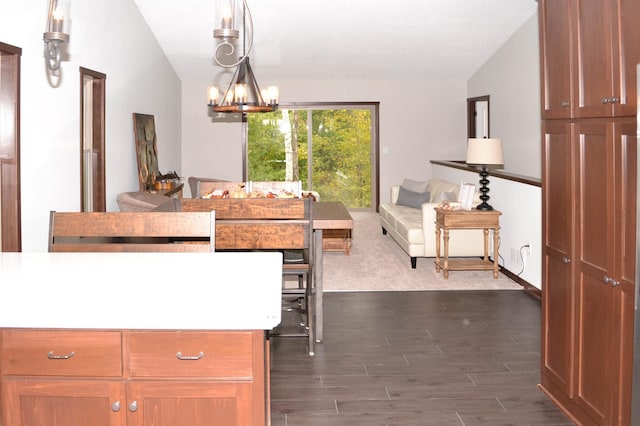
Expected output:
(484, 152)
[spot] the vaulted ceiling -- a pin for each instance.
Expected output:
(343, 39)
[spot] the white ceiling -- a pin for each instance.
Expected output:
(343, 39)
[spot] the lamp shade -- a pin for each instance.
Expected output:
(484, 151)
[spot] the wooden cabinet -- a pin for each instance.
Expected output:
(589, 191)
(589, 52)
(133, 377)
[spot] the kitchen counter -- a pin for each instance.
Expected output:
(154, 291)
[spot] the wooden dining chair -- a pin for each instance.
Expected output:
(284, 225)
(131, 231)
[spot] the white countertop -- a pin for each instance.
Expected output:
(168, 291)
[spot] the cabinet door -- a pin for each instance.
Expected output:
(556, 50)
(625, 186)
(557, 287)
(594, 43)
(596, 298)
(186, 403)
(28, 402)
(608, 42)
(627, 55)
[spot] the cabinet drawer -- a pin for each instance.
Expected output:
(61, 353)
(220, 354)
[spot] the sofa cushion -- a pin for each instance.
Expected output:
(438, 186)
(412, 199)
(415, 186)
(410, 226)
(448, 196)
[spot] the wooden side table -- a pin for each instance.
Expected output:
(467, 219)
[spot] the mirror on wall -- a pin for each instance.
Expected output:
(92, 100)
(478, 117)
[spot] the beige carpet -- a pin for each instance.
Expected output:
(377, 263)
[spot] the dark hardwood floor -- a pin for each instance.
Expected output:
(415, 358)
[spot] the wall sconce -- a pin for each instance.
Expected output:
(484, 152)
(55, 34)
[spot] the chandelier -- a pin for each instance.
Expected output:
(243, 94)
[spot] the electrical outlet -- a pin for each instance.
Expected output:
(527, 249)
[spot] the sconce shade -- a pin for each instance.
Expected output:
(485, 151)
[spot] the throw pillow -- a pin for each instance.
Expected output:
(412, 199)
(448, 196)
(415, 186)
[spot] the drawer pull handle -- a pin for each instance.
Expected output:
(50, 355)
(189, 358)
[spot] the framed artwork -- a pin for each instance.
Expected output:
(144, 130)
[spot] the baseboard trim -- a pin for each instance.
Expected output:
(527, 287)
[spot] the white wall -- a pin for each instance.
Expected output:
(108, 36)
(419, 121)
(520, 223)
(511, 77)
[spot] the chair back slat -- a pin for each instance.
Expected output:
(132, 231)
(250, 208)
(258, 223)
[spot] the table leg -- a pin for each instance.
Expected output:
(496, 239)
(446, 254)
(317, 282)
(486, 244)
(437, 248)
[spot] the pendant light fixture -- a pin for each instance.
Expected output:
(243, 94)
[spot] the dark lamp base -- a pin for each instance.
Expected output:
(484, 190)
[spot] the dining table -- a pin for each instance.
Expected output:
(326, 215)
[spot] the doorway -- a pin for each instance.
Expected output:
(10, 222)
(478, 117)
(92, 156)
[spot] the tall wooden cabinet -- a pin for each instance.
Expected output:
(589, 53)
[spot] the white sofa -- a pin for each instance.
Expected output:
(414, 228)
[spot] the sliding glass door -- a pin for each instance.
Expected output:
(331, 148)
